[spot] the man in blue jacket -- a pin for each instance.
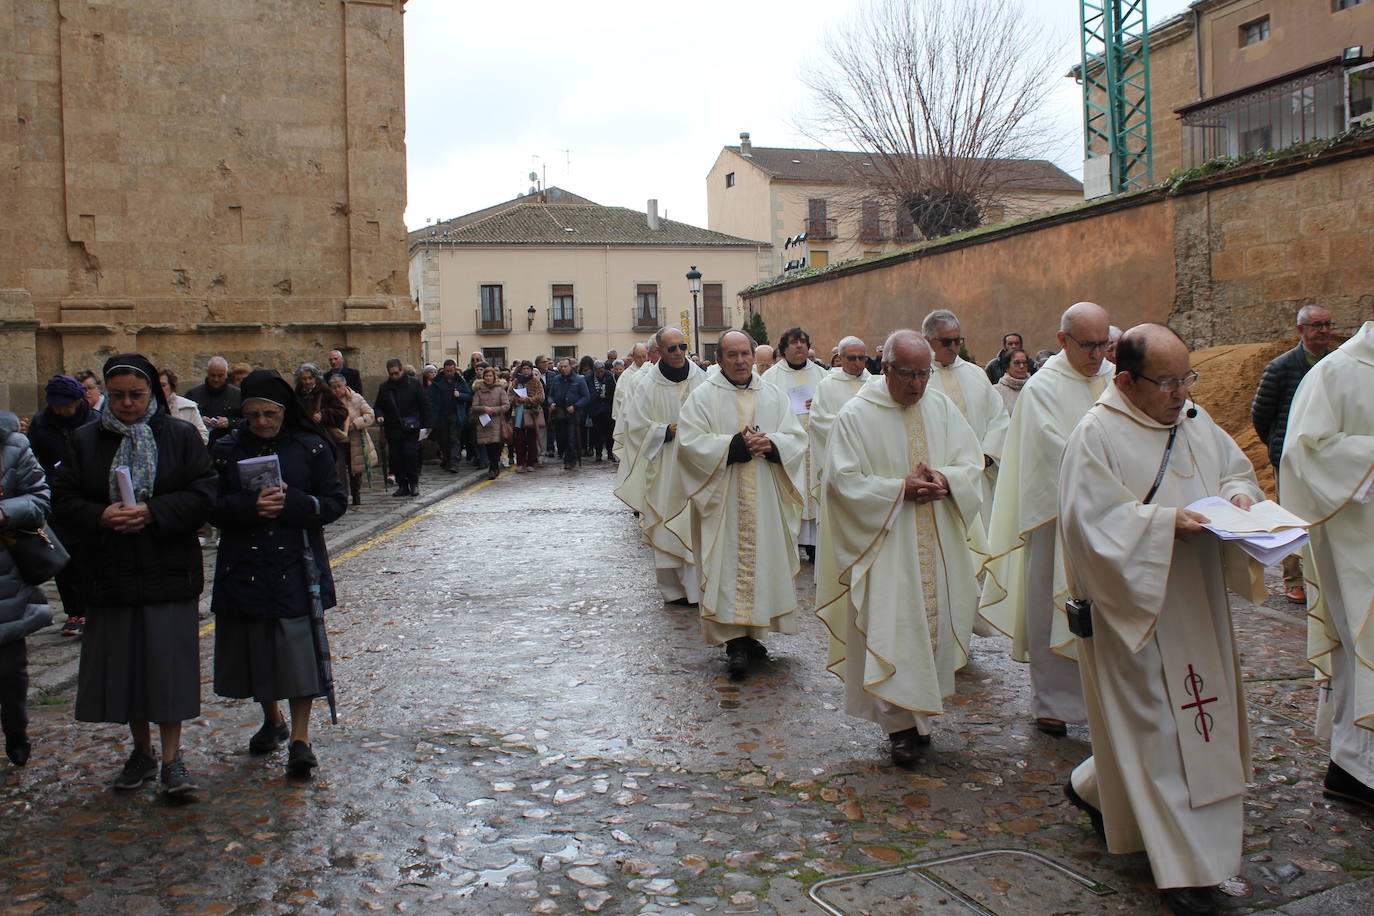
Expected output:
(449, 397)
(567, 397)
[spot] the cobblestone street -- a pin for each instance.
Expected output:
(526, 729)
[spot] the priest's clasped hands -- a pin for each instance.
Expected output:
(925, 484)
(1187, 523)
(759, 444)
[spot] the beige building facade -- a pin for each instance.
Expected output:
(779, 194)
(557, 275)
(198, 179)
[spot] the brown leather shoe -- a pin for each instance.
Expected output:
(1055, 728)
(1297, 594)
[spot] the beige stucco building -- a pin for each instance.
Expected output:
(778, 194)
(556, 274)
(192, 179)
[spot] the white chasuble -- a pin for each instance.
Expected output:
(1027, 498)
(1161, 676)
(791, 383)
(968, 387)
(746, 513)
(900, 575)
(835, 390)
(624, 449)
(653, 483)
(1327, 478)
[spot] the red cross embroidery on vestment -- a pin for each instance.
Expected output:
(1203, 722)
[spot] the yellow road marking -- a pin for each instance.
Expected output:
(385, 535)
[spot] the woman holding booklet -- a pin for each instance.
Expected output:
(137, 487)
(278, 487)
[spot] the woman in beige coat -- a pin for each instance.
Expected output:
(356, 452)
(529, 431)
(490, 402)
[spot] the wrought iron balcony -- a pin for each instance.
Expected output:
(565, 320)
(489, 322)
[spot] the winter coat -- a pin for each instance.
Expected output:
(567, 391)
(1269, 410)
(24, 499)
(162, 562)
(495, 397)
(224, 402)
(445, 406)
(401, 399)
(50, 436)
(360, 417)
(350, 376)
(260, 568)
(320, 400)
(600, 405)
(186, 410)
(533, 402)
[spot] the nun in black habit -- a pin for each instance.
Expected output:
(264, 645)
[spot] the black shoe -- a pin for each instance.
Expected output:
(176, 778)
(493, 473)
(268, 738)
(810, 551)
(138, 769)
(17, 749)
(401, 492)
(681, 602)
(452, 470)
(1185, 901)
(757, 650)
(908, 746)
(357, 499)
(1094, 814)
(737, 659)
(300, 760)
(1339, 784)
(1052, 727)
(415, 489)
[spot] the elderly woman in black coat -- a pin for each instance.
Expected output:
(264, 646)
(140, 653)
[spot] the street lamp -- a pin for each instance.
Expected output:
(694, 284)
(529, 318)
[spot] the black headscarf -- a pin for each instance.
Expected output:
(140, 365)
(268, 385)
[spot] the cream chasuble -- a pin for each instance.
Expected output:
(624, 450)
(1027, 498)
(1161, 676)
(835, 389)
(653, 482)
(1326, 477)
(786, 379)
(745, 514)
(898, 576)
(968, 387)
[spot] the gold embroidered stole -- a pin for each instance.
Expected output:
(746, 514)
(917, 452)
(949, 380)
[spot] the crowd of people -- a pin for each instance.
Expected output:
(1044, 497)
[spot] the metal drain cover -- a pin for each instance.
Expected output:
(993, 882)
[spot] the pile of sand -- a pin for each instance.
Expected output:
(1226, 385)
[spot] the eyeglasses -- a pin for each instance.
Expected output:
(673, 348)
(861, 358)
(910, 375)
(132, 397)
(1089, 345)
(1317, 324)
(1170, 385)
(1020, 362)
(948, 341)
(261, 414)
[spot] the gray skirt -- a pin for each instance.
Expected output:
(266, 658)
(140, 664)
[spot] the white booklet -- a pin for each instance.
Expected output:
(126, 486)
(799, 395)
(260, 473)
(484, 419)
(1268, 532)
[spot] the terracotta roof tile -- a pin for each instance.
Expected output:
(527, 223)
(839, 167)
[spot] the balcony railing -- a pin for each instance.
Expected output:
(565, 321)
(873, 230)
(821, 228)
(714, 319)
(488, 322)
(650, 320)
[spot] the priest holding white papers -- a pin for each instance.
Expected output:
(653, 482)
(840, 384)
(741, 454)
(1161, 676)
(1327, 477)
(968, 387)
(896, 583)
(1023, 594)
(797, 377)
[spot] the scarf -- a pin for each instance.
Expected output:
(1013, 383)
(137, 451)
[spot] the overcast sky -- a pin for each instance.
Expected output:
(624, 101)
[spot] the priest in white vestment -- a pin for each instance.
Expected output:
(840, 384)
(1024, 591)
(639, 354)
(1327, 477)
(653, 482)
(625, 448)
(968, 387)
(741, 453)
(1161, 675)
(896, 582)
(797, 377)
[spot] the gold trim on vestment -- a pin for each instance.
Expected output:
(747, 518)
(918, 453)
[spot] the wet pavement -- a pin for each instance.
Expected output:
(526, 729)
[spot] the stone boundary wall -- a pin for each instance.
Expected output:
(1229, 258)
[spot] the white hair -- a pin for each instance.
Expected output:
(850, 341)
(1306, 311)
(218, 361)
(1113, 332)
(901, 337)
(937, 319)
